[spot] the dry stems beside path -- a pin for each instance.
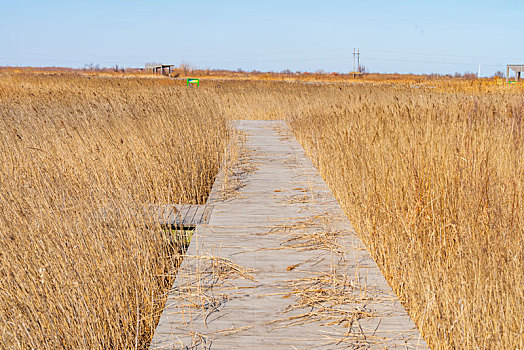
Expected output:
(431, 178)
(434, 184)
(74, 147)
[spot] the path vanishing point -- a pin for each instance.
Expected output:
(278, 265)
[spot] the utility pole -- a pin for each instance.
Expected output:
(478, 76)
(353, 60)
(358, 60)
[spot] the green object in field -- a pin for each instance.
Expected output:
(180, 238)
(193, 81)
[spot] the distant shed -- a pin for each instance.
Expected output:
(517, 68)
(164, 69)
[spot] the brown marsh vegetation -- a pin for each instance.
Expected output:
(433, 182)
(79, 157)
(431, 178)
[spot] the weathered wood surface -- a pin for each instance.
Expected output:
(279, 266)
(180, 215)
(166, 215)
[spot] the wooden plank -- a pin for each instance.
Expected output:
(161, 214)
(199, 213)
(206, 214)
(183, 213)
(180, 215)
(278, 265)
(189, 218)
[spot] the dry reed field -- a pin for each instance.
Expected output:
(431, 178)
(79, 157)
(433, 182)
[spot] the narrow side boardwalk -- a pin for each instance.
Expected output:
(279, 266)
(180, 215)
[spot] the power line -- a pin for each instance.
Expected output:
(323, 49)
(430, 62)
(356, 60)
(444, 55)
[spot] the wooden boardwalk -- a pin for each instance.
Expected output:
(279, 266)
(180, 215)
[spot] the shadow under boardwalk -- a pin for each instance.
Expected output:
(279, 265)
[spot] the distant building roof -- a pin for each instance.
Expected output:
(516, 67)
(159, 65)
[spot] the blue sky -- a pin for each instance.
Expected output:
(393, 36)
